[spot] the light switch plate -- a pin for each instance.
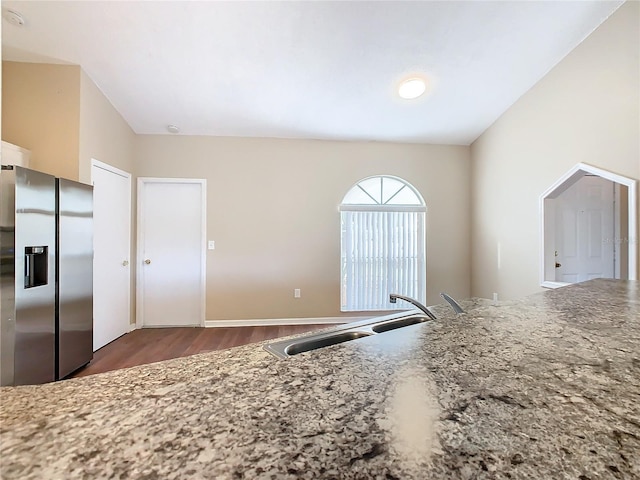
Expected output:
(211, 245)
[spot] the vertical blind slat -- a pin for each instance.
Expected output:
(375, 287)
(412, 263)
(361, 255)
(365, 284)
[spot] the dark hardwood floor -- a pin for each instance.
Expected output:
(148, 345)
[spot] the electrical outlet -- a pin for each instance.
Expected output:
(296, 293)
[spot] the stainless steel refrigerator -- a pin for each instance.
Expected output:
(46, 291)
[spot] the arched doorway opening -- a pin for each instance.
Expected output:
(589, 225)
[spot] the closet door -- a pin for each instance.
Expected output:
(171, 252)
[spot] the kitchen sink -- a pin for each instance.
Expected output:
(324, 341)
(393, 324)
(344, 333)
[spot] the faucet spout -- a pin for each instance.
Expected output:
(394, 297)
(456, 307)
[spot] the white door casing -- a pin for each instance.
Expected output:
(112, 251)
(585, 231)
(171, 252)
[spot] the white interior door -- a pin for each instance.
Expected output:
(112, 246)
(585, 231)
(171, 252)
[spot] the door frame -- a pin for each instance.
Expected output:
(142, 181)
(127, 175)
(547, 220)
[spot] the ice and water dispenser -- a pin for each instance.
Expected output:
(36, 266)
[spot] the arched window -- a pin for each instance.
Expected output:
(382, 244)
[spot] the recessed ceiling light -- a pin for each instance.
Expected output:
(412, 88)
(13, 17)
(173, 129)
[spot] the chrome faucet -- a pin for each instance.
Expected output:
(456, 307)
(394, 297)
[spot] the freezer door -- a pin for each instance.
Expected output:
(75, 276)
(34, 278)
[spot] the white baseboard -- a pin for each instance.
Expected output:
(263, 322)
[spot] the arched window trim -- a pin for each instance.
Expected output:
(381, 203)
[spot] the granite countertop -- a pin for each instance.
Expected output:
(544, 387)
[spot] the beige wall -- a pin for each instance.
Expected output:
(273, 213)
(587, 109)
(41, 112)
(58, 113)
(104, 135)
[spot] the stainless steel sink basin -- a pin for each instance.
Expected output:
(325, 341)
(344, 333)
(402, 322)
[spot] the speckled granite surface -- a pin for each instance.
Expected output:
(547, 387)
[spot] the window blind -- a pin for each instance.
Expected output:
(383, 252)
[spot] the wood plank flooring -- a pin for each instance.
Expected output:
(148, 345)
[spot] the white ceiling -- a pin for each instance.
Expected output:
(326, 70)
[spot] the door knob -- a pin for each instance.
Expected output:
(125, 263)
(147, 261)
(558, 265)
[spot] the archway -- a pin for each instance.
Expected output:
(622, 237)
